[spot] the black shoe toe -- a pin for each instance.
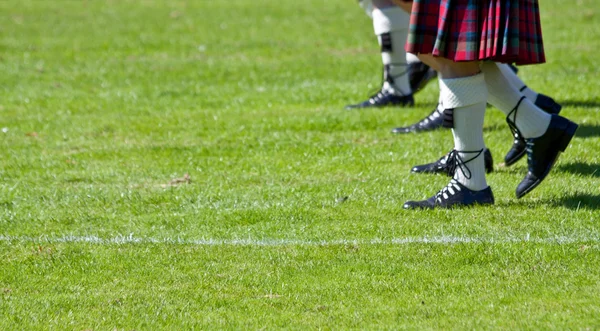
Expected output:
(431, 122)
(385, 99)
(424, 204)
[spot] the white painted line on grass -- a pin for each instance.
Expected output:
(445, 240)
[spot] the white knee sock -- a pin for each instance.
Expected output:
(411, 58)
(517, 83)
(467, 96)
(391, 27)
(440, 106)
(531, 121)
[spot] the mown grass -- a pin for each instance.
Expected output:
(104, 103)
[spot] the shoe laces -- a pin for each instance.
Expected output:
(529, 143)
(456, 162)
(512, 122)
(442, 161)
(387, 77)
(430, 118)
(378, 95)
(451, 189)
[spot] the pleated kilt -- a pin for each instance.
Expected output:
(469, 30)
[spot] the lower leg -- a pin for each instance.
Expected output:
(462, 88)
(516, 82)
(530, 120)
(464, 101)
(542, 101)
(390, 24)
(464, 95)
(547, 135)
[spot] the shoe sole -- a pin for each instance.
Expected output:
(408, 130)
(562, 146)
(455, 206)
(432, 172)
(389, 105)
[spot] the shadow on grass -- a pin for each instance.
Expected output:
(586, 131)
(585, 169)
(583, 131)
(579, 201)
(574, 201)
(579, 103)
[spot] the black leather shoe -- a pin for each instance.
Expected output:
(542, 152)
(419, 75)
(442, 166)
(454, 195)
(548, 104)
(517, 151)
(385, 99)
(433, 121)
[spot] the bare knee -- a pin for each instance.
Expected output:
(450, 69)
(383, 3)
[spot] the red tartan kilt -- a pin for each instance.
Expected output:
(470, 30)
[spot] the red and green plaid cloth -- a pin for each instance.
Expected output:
(471, 30)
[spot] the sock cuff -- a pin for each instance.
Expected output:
(390, 19)
(464, 91)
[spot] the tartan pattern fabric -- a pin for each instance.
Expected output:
(470, 30)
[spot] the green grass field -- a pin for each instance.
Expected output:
(292, 213)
